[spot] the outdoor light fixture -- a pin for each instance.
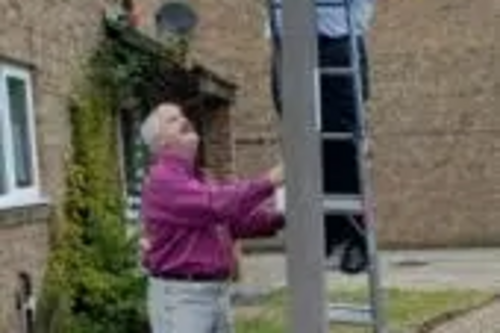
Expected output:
(175, 19)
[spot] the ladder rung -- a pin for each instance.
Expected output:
(350, 314)
(318, 4)
(343, 204)
(338, 136)
(337, 71)
(339, 3)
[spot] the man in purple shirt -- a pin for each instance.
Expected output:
(189, 227)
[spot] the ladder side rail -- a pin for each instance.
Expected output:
(365, 181)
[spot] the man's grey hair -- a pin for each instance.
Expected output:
(151, 129)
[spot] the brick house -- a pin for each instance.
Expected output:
(43, 47)
(435, 122)
(435, 78)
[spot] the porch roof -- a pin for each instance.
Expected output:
(196, 86)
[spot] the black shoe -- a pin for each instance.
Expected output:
(354, 258)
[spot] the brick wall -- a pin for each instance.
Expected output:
(436, 123)
(230, 40)
(434, 111)
(217, 142)
(52, 38)
(24, 245)
(216, 146)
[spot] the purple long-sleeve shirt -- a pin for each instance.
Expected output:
(190, 223)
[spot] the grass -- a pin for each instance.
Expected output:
(407, 310)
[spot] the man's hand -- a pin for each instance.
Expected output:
(280, 200)
(276, 175)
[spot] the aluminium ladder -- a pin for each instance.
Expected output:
(303, 137)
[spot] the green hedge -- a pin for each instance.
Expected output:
(93, 284)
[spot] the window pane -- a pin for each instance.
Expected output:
(17, 93)
(132, 152)
(3, 179)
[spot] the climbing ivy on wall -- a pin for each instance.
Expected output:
(93, 283)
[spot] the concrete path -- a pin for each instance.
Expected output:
(485, 320)
(431, 269)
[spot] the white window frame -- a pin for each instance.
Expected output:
(132, 201)
(16, 196)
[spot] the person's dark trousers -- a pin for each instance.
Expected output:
(333, 52)
(338, 115)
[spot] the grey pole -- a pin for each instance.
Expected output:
(304, 231)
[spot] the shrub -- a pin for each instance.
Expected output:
(93, 284)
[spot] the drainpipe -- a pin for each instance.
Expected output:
(25, 303)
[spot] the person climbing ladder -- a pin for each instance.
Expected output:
(338, 115)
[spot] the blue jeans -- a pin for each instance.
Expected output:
(189, 307)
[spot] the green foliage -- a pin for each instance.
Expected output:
(137, 74)
(407, 310)
(93, 283)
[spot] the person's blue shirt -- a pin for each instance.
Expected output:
(331, 21)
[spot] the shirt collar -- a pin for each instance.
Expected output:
(176, 156)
